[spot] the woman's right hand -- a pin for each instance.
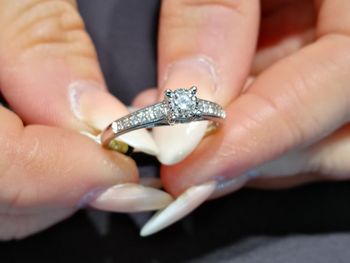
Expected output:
(288, 126)
(50, 77)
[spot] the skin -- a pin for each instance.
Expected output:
(46, 166)
(298, 100)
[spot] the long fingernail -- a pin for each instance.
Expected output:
(177, 142)
(127, 198)
(97, 109)
(225, 186)
(182, 206)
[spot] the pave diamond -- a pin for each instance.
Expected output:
(141, 117)
(115, 127)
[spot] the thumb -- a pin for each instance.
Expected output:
(208, 44)
(49, 71)
(47, 173)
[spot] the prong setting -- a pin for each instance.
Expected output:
(168, 93)
(182, 105)
(193, 90)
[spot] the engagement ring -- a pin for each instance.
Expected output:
(178, 106)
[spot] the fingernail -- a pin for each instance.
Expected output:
(182, 206)
(225, 186)
(197, 71)
(153, 182)
(127, 198)
(91, 136)
(97, 109)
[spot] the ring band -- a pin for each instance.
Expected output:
(178, 106)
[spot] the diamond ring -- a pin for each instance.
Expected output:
(178, 106)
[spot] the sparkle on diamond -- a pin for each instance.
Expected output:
(183, 103)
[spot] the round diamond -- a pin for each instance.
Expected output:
(183, 103)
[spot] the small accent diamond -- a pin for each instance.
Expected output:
(141, 116)
(115, 127)
(126, 123)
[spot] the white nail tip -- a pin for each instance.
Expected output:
(182, 206)
(93, 137)
(153, 182)
(132, 108)
(175, 143)
(131, 198)
(141, 140)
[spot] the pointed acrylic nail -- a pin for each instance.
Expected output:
(176, 142)
(97, 109)
(226, 186)
(128, 198)
(182, 206)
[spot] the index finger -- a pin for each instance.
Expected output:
(208, 44)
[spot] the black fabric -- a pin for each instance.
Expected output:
(306, 224)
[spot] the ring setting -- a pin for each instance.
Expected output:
(178, 106)
(182, 104)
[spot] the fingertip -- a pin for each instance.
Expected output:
(61, 166)
(146, 98)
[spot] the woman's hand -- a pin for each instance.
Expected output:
(288, 123)
(50, 76)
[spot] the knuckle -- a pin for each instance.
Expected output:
(53, 27)
(18, 187)
(233, 5)
(197, 11)
(281, 117)
(9, 137)
(22, 179)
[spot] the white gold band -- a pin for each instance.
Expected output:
(179, 106)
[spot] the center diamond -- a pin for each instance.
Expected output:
(182, 103)
(183, 100)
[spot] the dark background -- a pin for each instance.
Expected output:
(305, 224)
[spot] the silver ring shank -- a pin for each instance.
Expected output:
(157, 115)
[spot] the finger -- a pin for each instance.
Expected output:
(47, 173)
(146, 98)
(281, 33)
(290, 105)
(49, 71)
(266, 56)
(208, 44)
(326, 160)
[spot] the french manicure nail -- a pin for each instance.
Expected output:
(289, 164)
(95, 138)
(197, 71)
(153, 182)
(127, 198)
(182, 206)
(97, 109)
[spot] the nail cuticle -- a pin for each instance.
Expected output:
(75, 91)
(90, 196)
(200, 61)
(226, 185)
